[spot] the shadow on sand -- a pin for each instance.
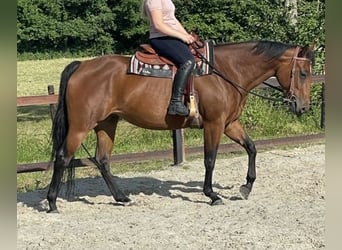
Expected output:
(96, 186)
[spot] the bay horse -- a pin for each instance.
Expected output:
(95, 93)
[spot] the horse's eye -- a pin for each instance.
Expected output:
(302, 74)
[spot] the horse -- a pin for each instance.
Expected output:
(95, 93)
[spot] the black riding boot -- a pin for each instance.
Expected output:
(176, 106)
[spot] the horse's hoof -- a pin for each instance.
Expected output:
(126, 203)
(217, 202)
(54, 211)
(245, 191)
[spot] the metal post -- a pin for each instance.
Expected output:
(178, 147)
(53, 106)
(323, 106)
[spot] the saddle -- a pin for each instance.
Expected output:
(149, 56)
(147, 62)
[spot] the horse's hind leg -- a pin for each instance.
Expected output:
(236, 132)
(58, 169)
(62, 161)
(105, 132)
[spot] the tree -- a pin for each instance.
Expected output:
(37, 25)
(291, 7)
(132, 29)
(64, 26)
(229, 21)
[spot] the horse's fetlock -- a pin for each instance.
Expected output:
(207, 192)
(250, 179)
(104, 161)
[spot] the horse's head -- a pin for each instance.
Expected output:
(295, 76)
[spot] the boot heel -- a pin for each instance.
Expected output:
(178, 108)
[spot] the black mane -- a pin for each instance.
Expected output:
(270, 49)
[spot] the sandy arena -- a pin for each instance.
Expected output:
(286, 209)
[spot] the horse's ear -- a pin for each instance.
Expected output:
(311, 47)
(307, 49)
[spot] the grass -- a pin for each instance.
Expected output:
(262, 120)
(34, 76)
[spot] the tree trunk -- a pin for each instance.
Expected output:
(291, 6)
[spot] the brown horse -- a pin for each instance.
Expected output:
(95, 93)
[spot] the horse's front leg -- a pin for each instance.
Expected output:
(212, 136)
(236, 132)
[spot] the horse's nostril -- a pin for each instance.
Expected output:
(305, 109)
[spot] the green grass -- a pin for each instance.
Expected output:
(262, 120)
(34, 76)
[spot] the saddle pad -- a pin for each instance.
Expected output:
(144, 69)
(165, 70)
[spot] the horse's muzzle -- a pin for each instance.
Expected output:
(297, 106)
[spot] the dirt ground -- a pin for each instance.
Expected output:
(286, 209)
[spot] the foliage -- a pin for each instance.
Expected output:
(67, 26)
(47, 29)
(132, 28)
(229, 21)
(270, 119)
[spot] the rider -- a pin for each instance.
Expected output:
(169, 39)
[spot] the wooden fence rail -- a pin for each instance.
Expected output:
(177, 136)
(167, 154)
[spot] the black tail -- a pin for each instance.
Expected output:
(60, 123)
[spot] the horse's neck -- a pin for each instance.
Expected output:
(244, 69)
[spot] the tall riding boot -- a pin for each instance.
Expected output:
(176, 106)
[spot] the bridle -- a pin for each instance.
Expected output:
(290, 97)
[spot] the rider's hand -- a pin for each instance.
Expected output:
(188, 39)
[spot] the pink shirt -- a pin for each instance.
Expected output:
(168, 13)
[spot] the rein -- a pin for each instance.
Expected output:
(289, 99)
